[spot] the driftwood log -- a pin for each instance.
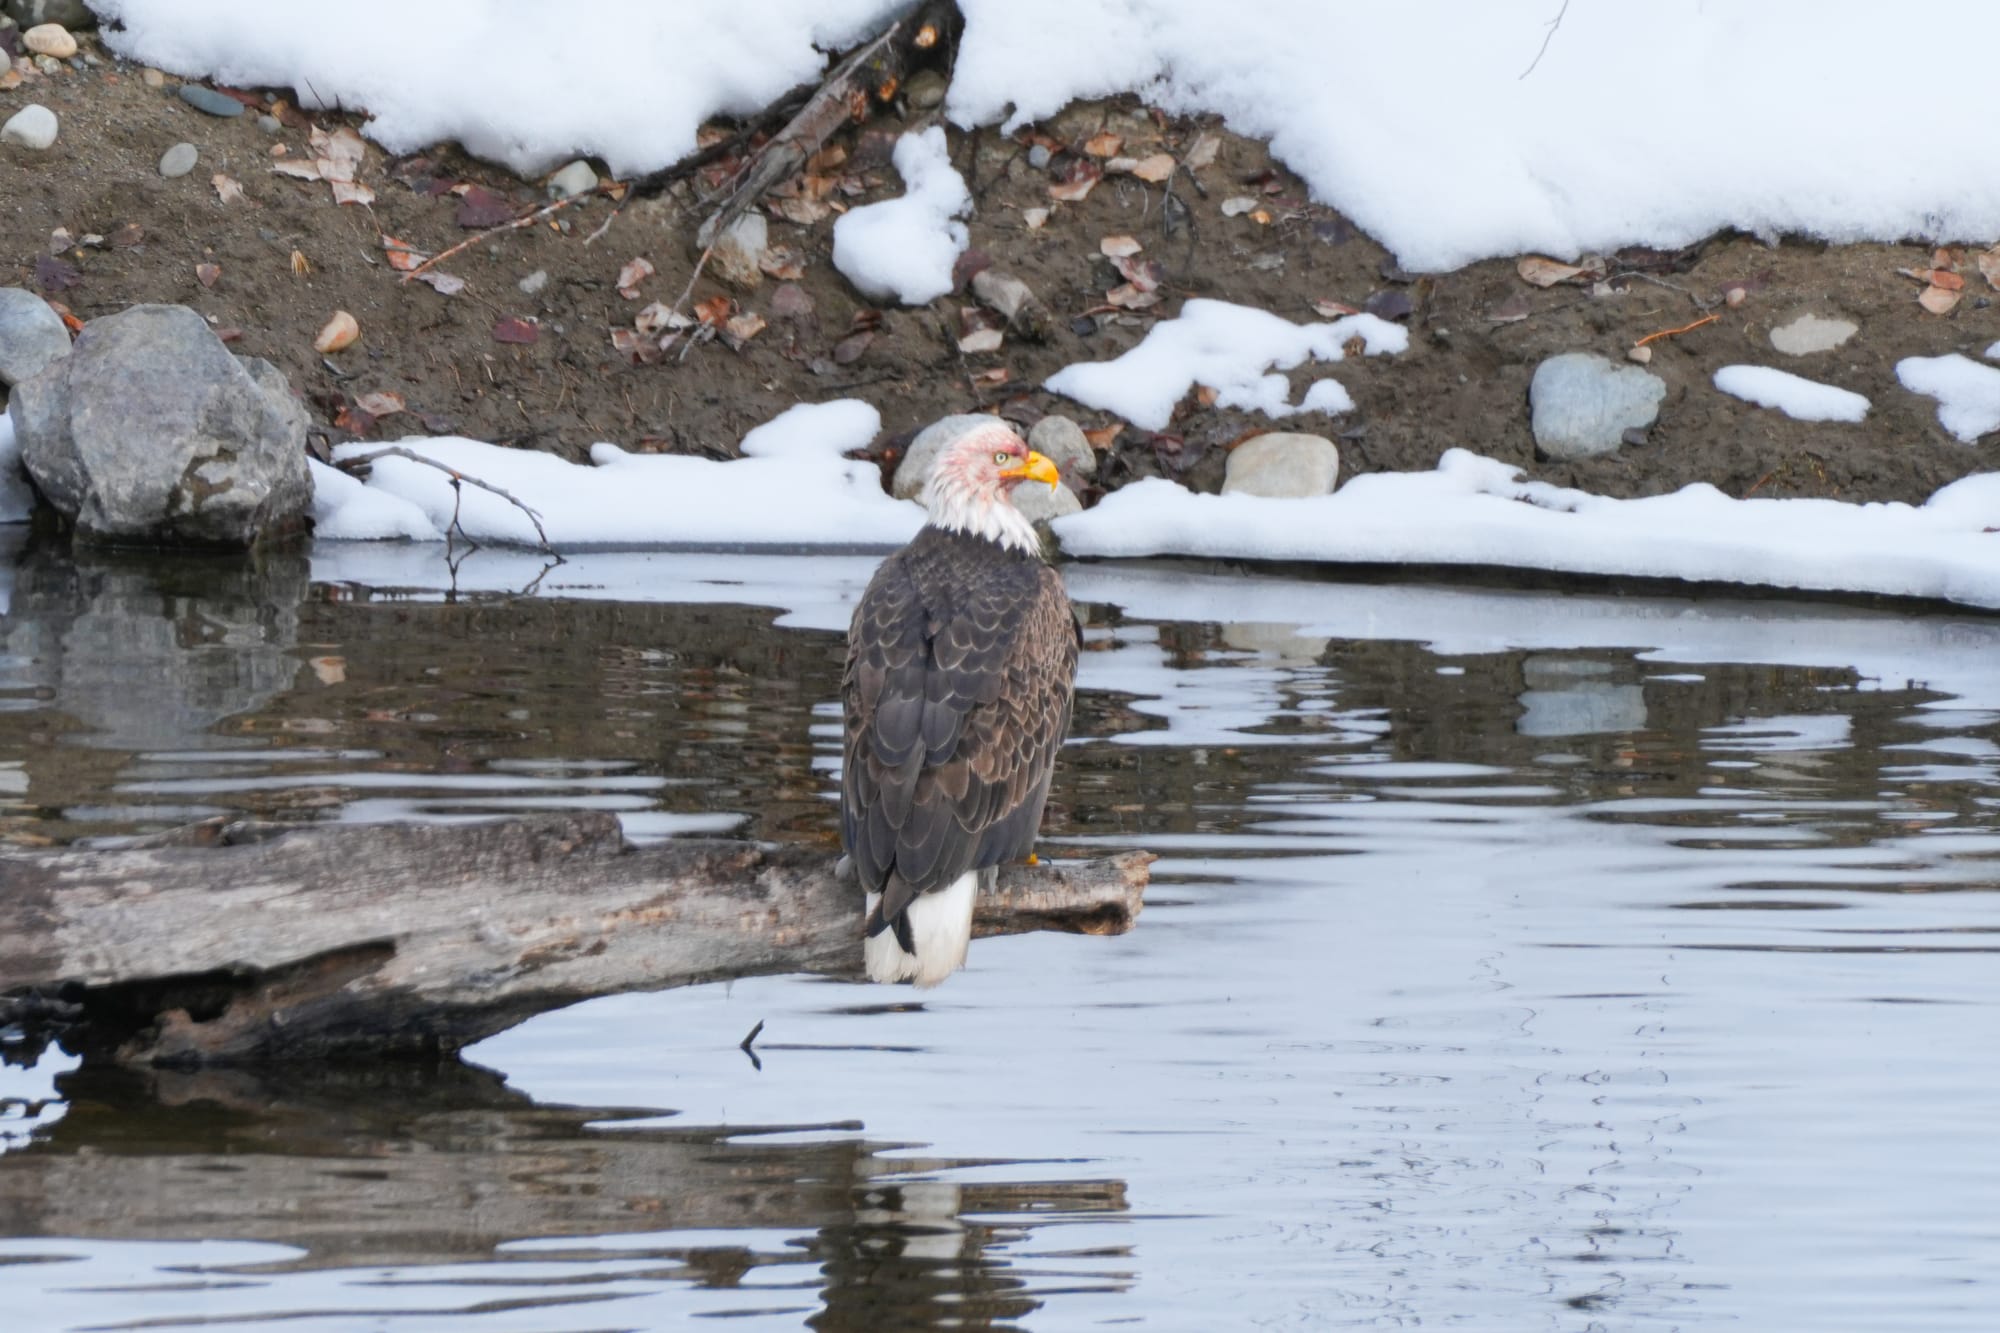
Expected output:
(231, 943)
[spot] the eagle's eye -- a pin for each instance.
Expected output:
(1000, 459)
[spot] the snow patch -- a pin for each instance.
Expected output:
(1492, 159)
(1476, 511)
(905, 248)
(1794, 395)
(1232, 349)
(1968, 393)
(624, 80)
(793, 488)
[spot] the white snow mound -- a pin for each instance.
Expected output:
(903, 249)
(791, 488)
(1233, 349)
(1477, 511)
(1794, 395)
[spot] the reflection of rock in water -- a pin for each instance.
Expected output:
(1572, 697)
(151, 651)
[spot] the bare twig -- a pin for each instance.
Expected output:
(526, 220)
(1547, 37)
(353, 465)
(1668, 333)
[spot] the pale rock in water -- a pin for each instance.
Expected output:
(31, 335)
(1283, 465)
(1582, 404)
(151, 432)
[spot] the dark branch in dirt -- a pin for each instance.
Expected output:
(353, 466)
(525, 220)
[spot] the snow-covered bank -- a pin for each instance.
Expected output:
(1491, 157)
(1475, 511)
(790, 488)
(794, 490)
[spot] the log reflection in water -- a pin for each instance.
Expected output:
(399, 1168)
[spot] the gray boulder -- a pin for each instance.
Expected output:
(1041, 504)
(1283, 465)
(31, 335)
(915, 469)
(72, 14)
(1582, 405)
(151, 432)
(1062, 441)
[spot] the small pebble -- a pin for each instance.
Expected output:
(1038, 157)
(50, 39)
(210, 101)
(49, 65)
(534, 282)
(154, 79)
(33, 126)
(271, 125)
(178, 160)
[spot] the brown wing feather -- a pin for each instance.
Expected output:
(961, 667)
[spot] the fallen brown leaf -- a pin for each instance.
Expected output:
(516, 330)
(1154, 169)
(1104, 144)
(444, 284)
(1035, 218)
(1539, 272)
(1117, 247)
(1335, 309)
(383, 403)
(742, 328)
(479, 208)
(635, 272)
(1078, 180)
(1104, 436)
(351, 192)
(1989, 266)
(1239, 205)
(207, 274)
(305, 171)
(783, 263)
(226, 189)
(1938, 300)
(402, 255)
(1202, 151)
(1130, 296)
(714, 310)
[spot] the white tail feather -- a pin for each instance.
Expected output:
(940, 926)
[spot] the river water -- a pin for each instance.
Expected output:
(1514, 960)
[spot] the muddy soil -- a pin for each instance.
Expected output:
(289, 256)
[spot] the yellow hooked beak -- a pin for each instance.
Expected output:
(1035, 467)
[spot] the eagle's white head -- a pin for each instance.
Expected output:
(971, 485)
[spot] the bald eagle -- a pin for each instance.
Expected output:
(961, 667)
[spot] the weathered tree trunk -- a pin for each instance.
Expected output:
(238, 944)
